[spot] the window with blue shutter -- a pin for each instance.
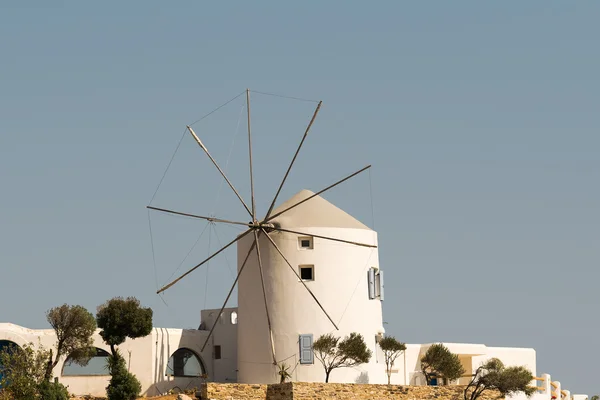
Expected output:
(306, 351)
(379, 285)
(371, 280)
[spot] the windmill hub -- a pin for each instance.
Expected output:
(268, 226)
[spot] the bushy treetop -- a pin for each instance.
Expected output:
(121, 318)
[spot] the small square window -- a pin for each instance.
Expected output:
(217, 352)
(305, 242)
(307, 272)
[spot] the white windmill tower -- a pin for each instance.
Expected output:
(305, 269)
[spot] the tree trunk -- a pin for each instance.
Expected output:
(49, 367)
(389, 374)
(327, 376)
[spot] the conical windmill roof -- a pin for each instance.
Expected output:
(316, 212)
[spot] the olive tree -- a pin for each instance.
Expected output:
(22, 370)
(74, 327)
(121, 318)
(391, 348)
(333, 353)
(493, 375)
(439, 362)
(118, 320)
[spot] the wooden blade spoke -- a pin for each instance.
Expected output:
(316, 194)
(293, 159)
(211, 219)
(229, 294)
(197, 139)
(262, 281)
(204, 262)
(250, 156)
(299, 278)
(324, 237)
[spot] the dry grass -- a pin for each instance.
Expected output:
(165, 397)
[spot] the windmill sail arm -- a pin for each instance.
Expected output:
(324, 237)
(299, 278)
(211, 219)
(203, 262)
(293, 159)
(262, 282)
(197, 139)
(318, 193)
(229, 294)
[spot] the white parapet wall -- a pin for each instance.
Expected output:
(157, 360)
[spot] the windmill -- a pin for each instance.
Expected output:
(261, 227)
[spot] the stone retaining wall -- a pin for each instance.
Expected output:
(233, 391)
(337, 391)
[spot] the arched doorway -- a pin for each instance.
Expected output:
(185, 363)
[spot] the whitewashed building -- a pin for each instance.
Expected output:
(346, 279)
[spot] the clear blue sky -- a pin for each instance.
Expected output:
(480, 120)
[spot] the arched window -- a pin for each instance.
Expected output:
(7, 344)
(184, 362)
(96, 366)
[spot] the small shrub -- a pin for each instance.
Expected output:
(123, 385)
(53, 391)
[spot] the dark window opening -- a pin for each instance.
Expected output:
(217, 352)
(307, 273)
(305, 242)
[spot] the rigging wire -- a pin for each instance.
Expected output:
(208, 263)
(168, 166)
(180, 140)
(218, 108)
(224, 253)
(365, 268)
(218, 193)
(153, 253)
(190, 251)
(284, 97)
(228, 159)
(371, 196)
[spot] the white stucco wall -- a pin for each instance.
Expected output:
(148, 361)
(340, 284)
(224, 335)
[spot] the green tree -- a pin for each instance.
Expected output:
(120, 319)
(22, 370)
(595, 397)
(123, 385)
(74, 327)
(493, 375)
(333, 353)
(439, 362)
(391, 348)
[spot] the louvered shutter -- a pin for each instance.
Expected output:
(371, 279)
(380, 284)
(306, 351)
